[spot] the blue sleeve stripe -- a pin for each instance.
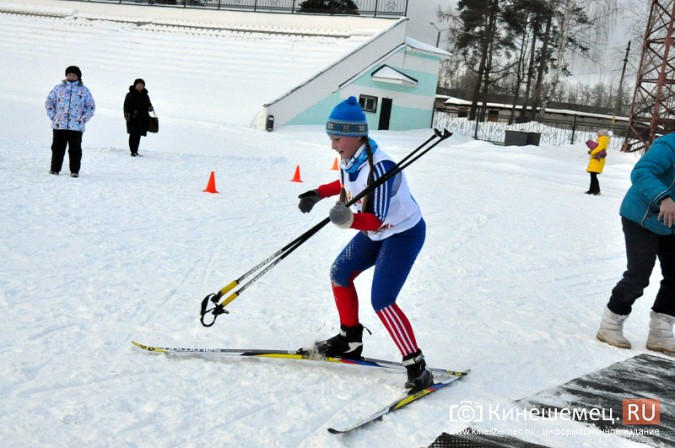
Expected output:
(381, 195)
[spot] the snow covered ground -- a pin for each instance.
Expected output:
(511, 283)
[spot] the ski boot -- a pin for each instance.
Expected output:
(419, 377)
(346, 344)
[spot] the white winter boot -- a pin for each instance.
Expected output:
(611, 329)
(660, 337)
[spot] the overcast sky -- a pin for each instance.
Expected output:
(420, 13)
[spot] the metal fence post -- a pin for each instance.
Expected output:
(574, 128)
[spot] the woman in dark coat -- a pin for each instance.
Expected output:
(137, 106)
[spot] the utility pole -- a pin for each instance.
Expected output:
(619, 97)
(438, 36)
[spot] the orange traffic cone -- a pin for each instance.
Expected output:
(211, 187)
(335, 165)
(296, 176)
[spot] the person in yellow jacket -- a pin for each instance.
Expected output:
(596, 164)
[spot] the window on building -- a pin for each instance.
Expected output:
(493, 115)
(368, 103)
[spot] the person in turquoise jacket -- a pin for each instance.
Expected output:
(69, 106)
(648, 219)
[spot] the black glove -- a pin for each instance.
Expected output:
(307, 200)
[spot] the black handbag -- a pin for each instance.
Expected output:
(153, 124)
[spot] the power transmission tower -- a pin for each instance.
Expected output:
(653, 110)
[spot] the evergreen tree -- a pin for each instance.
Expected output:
(479, 43)
(519, 47)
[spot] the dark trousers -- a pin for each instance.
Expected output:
(71, 139)
(642, 249)
(134, 142)
(595, 185)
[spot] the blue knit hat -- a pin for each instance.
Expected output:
(347, 120)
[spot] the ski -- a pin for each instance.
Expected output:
(401, 402)
(302, 354)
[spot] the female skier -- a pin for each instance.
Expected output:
(391, 234)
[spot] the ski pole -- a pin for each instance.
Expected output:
(266, 265)
(275, 258)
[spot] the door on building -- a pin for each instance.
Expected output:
(385, 114)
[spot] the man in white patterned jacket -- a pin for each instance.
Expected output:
(70, 106)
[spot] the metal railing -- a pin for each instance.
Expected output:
(553, 132)
(370, 8)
